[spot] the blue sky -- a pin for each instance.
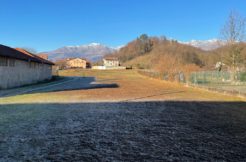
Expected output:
(48, 24)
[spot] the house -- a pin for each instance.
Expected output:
(76, 63)
(111, 62)
(19, 67)
(70, 63)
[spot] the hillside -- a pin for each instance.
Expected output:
(165, 52)
(147, 52)
(223, 52)
(172, 57)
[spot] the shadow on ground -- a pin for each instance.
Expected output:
(125, 131)
(67, 84)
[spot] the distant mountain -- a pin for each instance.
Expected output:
(96, 51)
(206, 45)
(92, 52)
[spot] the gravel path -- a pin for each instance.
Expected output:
(129, 131)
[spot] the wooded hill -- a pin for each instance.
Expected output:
(161, 54)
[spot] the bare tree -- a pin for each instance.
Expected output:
(233, 33)
(234, 29)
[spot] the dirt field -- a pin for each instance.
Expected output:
(119, 116)
(109, 86)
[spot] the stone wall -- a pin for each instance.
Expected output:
(24, 73)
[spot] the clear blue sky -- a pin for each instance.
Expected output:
(49, 24)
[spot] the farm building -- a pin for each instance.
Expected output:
(111, 62)
(19, 67)
(70, 63)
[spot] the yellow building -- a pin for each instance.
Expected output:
(70, 63)
(76, 63)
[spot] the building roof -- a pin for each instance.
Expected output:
(36, 57)
(21, 54)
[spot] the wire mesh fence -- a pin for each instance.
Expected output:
(217, 77)
(212, 80)
(220, 81)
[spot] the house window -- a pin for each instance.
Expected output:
(3, 61)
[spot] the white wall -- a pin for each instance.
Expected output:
(99, 67)
(23, 74)
(108, 67)
(110, 63)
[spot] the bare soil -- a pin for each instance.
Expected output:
(130, 131)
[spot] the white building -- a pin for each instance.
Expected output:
(111, 62)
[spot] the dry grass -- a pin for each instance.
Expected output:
(131, 87)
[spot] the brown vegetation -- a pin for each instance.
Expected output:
(131, 86)
(170, 57)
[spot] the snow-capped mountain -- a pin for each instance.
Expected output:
(92, 52)
(205, 44)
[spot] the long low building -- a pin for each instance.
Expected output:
(19, 67)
